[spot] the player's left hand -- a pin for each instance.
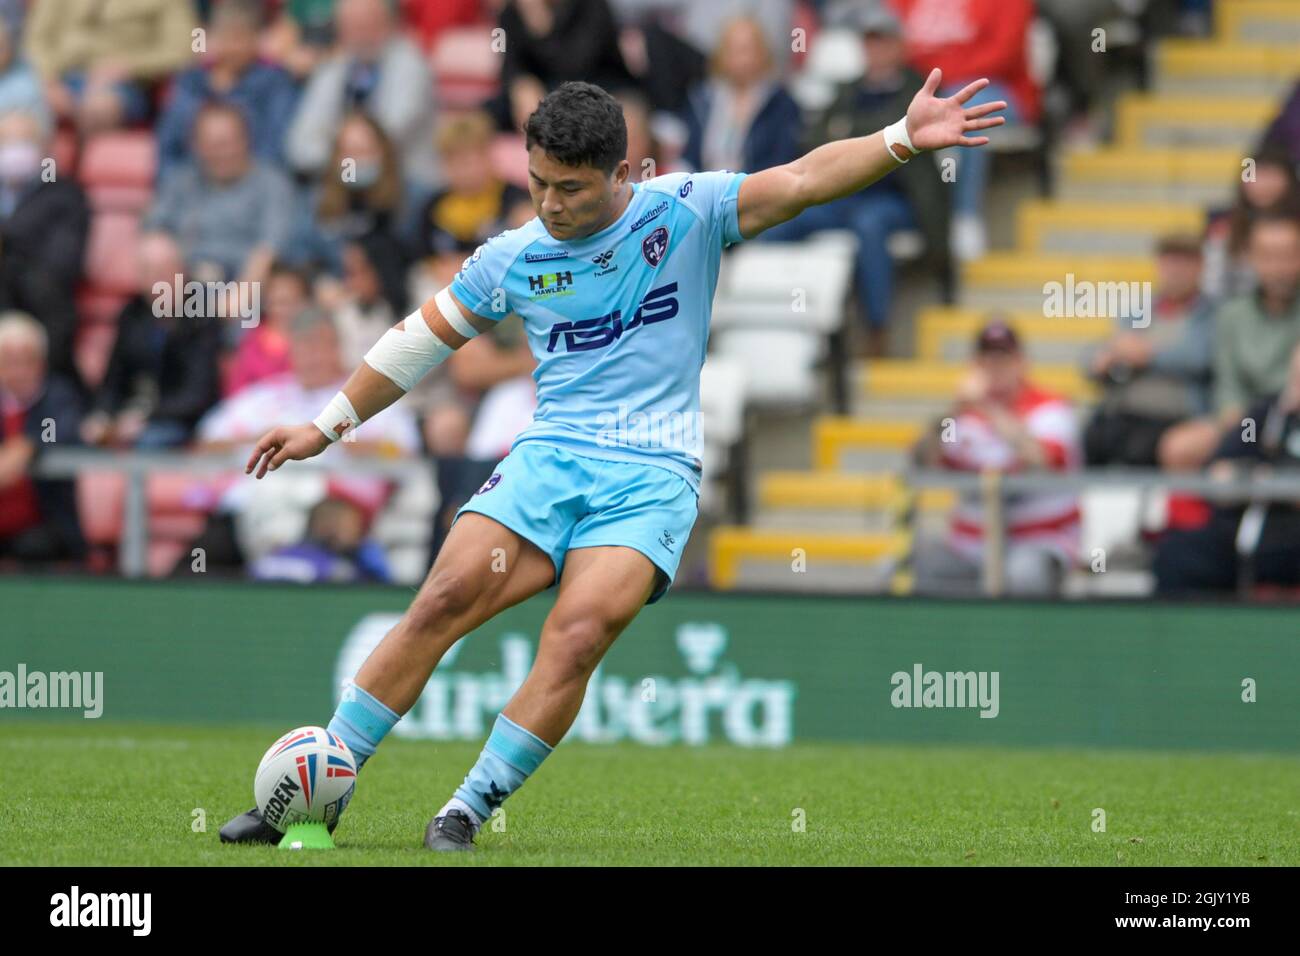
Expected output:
(934, 123)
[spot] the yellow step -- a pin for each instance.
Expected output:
(1199, 60)
(1002, 269)
(1153, 165)
(833, 433)
(838, 490)
(1136, 111)
(729, 545)
(904, 378)
(1035, 218)
(1235, 22)
(935, 326)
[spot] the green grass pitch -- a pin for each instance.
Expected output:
(115, 794)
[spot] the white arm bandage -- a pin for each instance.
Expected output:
(896, 135)
(406, 355)
(338, 418)
(451, 312)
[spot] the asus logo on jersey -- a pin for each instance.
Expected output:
(659, 305)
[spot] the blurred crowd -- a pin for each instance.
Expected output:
(1205, 379)
(340, 159)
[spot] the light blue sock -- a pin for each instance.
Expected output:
(509, 756)
(362, 721)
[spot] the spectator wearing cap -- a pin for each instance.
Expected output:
(1254, 336)
(1003, 422)
(230, 212)
(904, 200)
(38, 410)
(99, 60)
(1241, 546)
(377, 70)
(742, 118)
(1156, 370)
(44, 224)
(162, 372)
(231, 73)
(970, 39)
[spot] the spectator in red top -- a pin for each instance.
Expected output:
(1003, 422)
(264, 351)
(969, 39)
(38, 517)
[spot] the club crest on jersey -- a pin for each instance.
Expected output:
(489, 484)
(655, 245)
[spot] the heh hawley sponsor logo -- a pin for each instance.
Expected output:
(711, 702)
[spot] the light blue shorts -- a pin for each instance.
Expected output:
(559, 500)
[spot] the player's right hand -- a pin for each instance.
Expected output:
(286, 443)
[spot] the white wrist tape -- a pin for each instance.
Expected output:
(406, 355)
(451, 312)
(896, 135)
(338, 418)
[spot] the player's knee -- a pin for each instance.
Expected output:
(445, 597)
(579, 644)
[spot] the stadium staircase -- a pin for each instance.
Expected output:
(1177, 149)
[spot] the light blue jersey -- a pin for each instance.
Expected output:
(618, 321)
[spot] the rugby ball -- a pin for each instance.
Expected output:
(306, 776)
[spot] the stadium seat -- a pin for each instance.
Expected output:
(785, 285)
(835, 56)
(510, 159)
(733, 550)
(1191, 121)
(903, 378)
(111, 253)
(466, 69)
(948, 334)
(101, 497)
(1057, 227)
(834, 435)
(778, 363)
(722, 409)
(1227, 68)
(1202, 176)
(118, 170)
(64, 148)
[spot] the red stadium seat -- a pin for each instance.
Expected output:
(100, 499)
(465, 68)
(99, 308)
(64, 149)
(163, 556)
(118, 170)
(111, 253)
(510, 159)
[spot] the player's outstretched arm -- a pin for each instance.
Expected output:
(837, 169)
(400, 359)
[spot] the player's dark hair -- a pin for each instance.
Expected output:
(579, 124)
